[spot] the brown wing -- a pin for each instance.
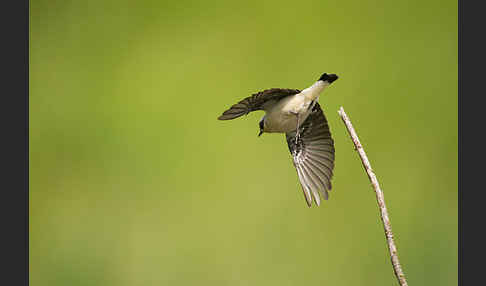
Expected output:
(313, 155)
(257, 101)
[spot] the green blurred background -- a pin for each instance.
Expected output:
(133, 181)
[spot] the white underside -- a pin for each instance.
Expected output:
(282, 117)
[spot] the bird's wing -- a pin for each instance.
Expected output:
(313, 155)
(257, 101)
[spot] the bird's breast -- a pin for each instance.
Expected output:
(282, 117)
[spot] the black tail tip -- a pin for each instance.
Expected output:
(328, 77)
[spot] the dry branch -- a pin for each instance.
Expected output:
(379, 197)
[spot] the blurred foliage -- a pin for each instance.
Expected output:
(133, 181)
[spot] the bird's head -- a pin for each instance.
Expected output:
(261, 124)
(330, 78)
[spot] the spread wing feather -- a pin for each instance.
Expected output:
(258, 101)
(313, 155)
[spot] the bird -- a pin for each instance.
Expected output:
(298, 115)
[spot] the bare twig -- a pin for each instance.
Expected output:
(379, 197)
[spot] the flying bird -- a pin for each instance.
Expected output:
(298, 114)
